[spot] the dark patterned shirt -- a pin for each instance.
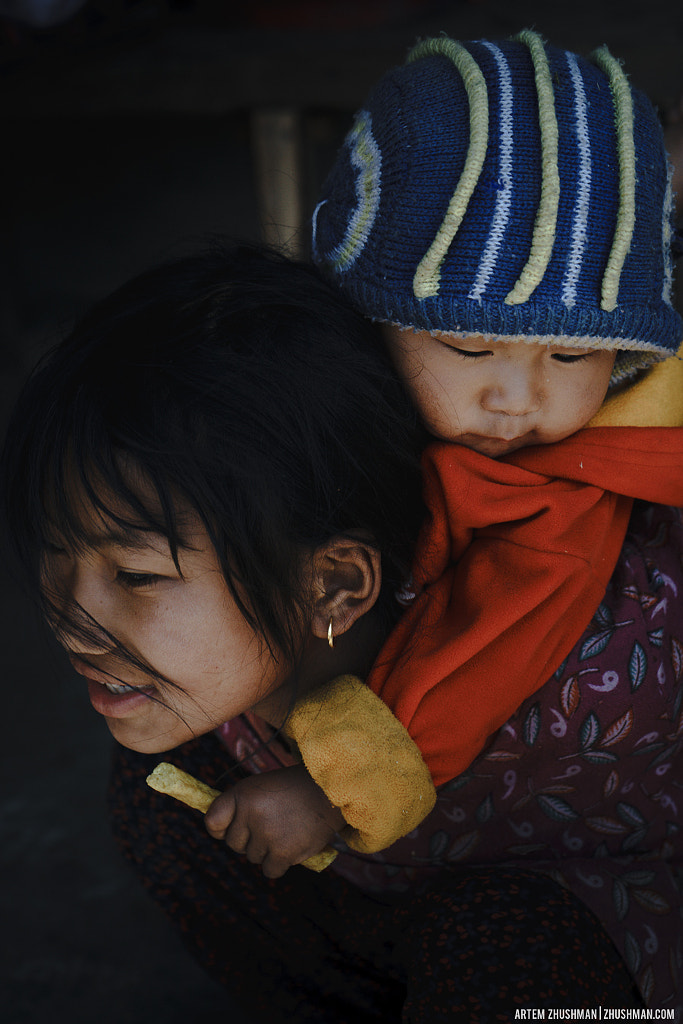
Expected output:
(585, 781)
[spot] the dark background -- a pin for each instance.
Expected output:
(126, 137)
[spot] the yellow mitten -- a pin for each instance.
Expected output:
(364, 760)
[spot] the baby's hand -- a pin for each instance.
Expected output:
(276, 819)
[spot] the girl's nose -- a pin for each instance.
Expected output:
(68, 614)
(514, 392)
(79, 637)
(73, 627)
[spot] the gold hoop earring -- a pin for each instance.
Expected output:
(330, 635)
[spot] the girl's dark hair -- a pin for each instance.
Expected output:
(241, 382)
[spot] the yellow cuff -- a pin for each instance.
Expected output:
(364, 760)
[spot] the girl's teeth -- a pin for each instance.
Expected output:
(116, 688)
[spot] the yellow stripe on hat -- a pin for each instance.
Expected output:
(543, 237)
(626, 217)
(426, 282)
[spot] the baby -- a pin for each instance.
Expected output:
(505, 210)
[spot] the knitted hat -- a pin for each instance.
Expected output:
(511, 190)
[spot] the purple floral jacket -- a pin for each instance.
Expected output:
(585, 781)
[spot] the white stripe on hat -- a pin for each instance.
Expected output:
(501, 213)
(583, 187)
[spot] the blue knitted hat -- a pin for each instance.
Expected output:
(511, 190)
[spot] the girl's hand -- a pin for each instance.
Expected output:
(276, 819)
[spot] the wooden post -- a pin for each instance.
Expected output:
(277, 156)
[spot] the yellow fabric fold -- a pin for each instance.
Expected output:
(363, 758)
(656, 400)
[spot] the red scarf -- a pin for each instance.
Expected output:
(510, 568)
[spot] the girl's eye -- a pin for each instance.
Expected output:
(135, 580)
(53, 549)
(562, 357)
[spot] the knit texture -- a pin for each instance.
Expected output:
(510, 190)
(364, 760)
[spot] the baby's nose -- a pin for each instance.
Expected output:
(513, 394)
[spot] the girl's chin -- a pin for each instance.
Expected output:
(152, 734)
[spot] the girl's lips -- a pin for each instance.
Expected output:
(111, 705)
(116, 705)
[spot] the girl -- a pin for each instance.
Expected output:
(189, 480)
(134, 560)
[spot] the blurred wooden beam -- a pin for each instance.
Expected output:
(276, 136)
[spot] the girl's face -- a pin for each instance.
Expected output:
(498, 396)
(184, 625)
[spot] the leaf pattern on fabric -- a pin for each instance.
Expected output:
(463, 846)
(439, 844)
(631, 815)
(618, 730)
(532, 725)
(485, 810)
(660, 539)
(595, 644)
(454, 784)
(677, 657)
(559, 673)
(634, 841)
(621, 899)
(646, 984)
(632, 951)
(604, 616)
(646, 601)
(599, 756)
(665, 756)
(556, 808)
(651, 900)
(637, 666)
(611, 784)
(570, 696)
(638, 877)
(590, 731)
(606, 826)
(679, 728)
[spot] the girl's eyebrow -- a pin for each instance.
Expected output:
(136, 538)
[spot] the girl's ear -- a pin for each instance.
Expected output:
(347, 579)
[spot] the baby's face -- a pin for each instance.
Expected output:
(497, 396)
